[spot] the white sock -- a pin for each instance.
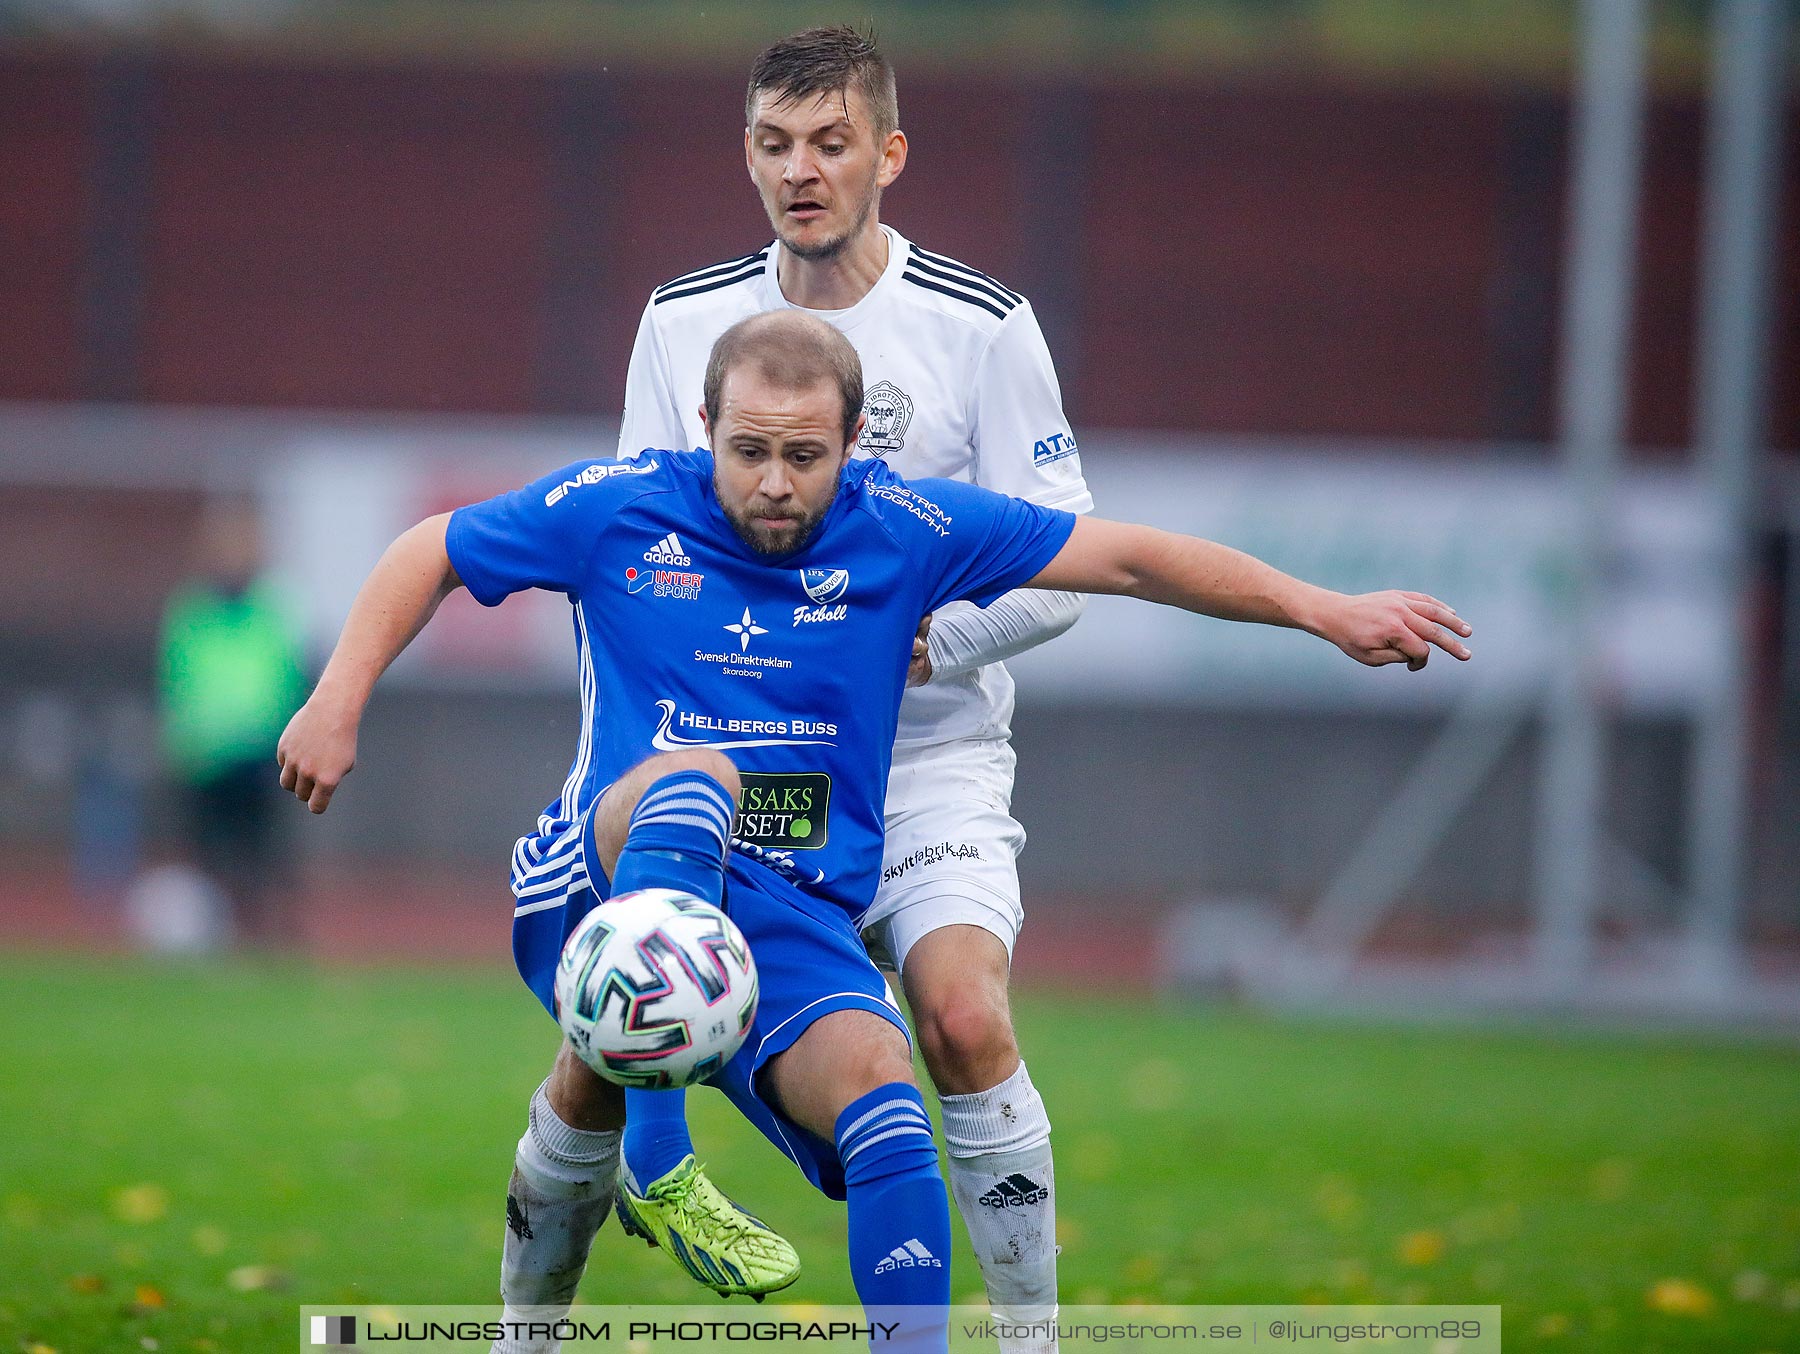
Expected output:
(1001, 1176)
(560, 1193)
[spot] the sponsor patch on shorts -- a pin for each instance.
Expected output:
(931, 855)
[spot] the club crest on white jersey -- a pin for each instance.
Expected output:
(887, 410)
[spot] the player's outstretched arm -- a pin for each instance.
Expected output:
(1215, 580)
(318, 747)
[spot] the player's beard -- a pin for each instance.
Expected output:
(782, 540)
(831, 248)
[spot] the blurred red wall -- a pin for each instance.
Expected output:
(1275, 257)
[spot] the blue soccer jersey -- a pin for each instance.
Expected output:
(791, 665)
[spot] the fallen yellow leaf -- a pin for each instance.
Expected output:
(1679, 1297)
(1336, 1198)
(1142, 1268)
(210, 1240)
(257, 1279)
(1421, 1248)
(140, 1203)
(148, 1295)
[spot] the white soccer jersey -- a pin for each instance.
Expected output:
(958, 385)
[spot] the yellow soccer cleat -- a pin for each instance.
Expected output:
(714, 1240)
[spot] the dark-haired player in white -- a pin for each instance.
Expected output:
(959, 386)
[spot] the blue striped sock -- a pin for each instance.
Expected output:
(677, 840)
(899, 1215)
(678, 836)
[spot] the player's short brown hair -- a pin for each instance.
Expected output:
(791, 350)
(826, 61)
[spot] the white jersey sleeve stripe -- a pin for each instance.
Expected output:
(945, 262)
(702, 274)
(747, 275)
(943, 275)
(919, 280)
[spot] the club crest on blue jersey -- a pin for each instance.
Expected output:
(887, 410)
(825, 586)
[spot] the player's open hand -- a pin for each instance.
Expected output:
(1395, 627)
(918, 671)
(316, 752)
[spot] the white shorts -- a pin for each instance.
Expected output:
(951, 854)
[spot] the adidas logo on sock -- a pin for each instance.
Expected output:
(1015, 1191)
(912, 1255)
(668, 551)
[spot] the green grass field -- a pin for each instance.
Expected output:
(187, 1154)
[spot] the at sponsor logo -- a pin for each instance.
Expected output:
(1056, 447)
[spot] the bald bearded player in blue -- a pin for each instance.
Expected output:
(766, 670)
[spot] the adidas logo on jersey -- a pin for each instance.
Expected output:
(668, 551)
(1015, 1191)
(912, 1255)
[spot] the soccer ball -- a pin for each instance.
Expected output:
(656, 989)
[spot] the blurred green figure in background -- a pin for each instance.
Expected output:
(229, 675)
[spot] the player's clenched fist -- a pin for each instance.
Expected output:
(918, 670)
(1393, 627)
(316, 752)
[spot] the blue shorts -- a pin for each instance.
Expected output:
(809, 963)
